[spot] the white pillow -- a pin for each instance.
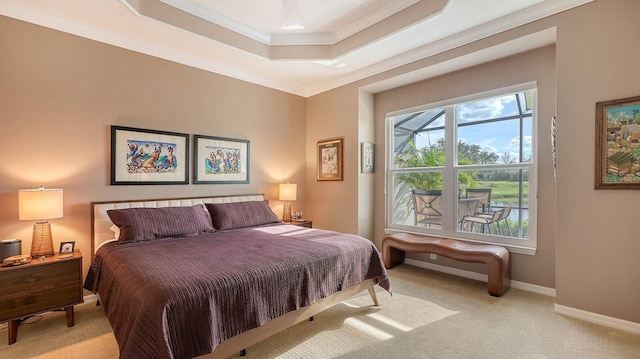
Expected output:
(116, 230)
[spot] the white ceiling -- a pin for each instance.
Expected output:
(342, 40)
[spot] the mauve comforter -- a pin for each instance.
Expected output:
(180, 298)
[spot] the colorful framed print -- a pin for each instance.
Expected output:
(618, 144)
(330, 160)
(367, 157)
(219, 160)
(144, 157)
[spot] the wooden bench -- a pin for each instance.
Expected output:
(495, 257)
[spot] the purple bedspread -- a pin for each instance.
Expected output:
(180, 298)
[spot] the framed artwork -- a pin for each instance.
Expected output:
(143, 157)
(367, 157)
(618, 144)
(67, 247)
(330, 160)
(220, 160)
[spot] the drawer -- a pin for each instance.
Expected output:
(32, 277)
(23, 303)
(39, 288)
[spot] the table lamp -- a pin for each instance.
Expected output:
(287, 193)
(40, 205)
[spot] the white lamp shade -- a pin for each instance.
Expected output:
(39, 204)
(288, 191)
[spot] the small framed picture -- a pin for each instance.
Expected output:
(67, 247)
(330, 160)
(367, 157)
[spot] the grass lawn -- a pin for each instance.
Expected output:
(505, 191)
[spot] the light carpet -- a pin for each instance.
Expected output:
(430, 315)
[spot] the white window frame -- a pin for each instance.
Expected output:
(450, 171)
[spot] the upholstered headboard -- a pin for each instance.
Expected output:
(101, 224)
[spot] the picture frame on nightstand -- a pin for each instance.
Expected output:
(67, 247)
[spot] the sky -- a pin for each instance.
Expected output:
(497, 137)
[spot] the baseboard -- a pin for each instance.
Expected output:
(90, 298)
(599, 319)
(590, 317)
(550, 292)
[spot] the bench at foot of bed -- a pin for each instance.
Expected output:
(495, 257)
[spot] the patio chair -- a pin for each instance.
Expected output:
(427, 206)
(485, 198)
(483, 219)
(504, 217)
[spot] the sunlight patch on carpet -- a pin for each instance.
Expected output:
(367, 329)
(390, 322)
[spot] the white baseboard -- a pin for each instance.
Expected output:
(599, 319)
(481, 277)
(590, 317)
(90, 298)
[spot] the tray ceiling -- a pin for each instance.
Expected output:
(303, 47)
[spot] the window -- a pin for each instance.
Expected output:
(465, 168)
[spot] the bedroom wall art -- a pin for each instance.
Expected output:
(367, 157)
(143, 157)
(219, 160)
(618, 144)
(330, 160)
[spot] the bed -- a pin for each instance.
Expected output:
(180, 278)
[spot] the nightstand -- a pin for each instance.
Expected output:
(40, 286)
(305, 223)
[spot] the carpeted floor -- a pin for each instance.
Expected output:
(430, 315)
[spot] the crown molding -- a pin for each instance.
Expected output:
(196, 20)
(505, 23)
(206, 13)
(14, 10)
(319, 38)
(92, 33)
(331, 38)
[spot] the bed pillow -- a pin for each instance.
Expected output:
(241, 214)
(116, 231)
(147, 224)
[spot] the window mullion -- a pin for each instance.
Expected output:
(450, 182)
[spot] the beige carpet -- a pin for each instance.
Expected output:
(430, 315)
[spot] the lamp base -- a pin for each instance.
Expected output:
(41, 241)
(286, 215)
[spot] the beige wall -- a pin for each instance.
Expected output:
(598, 246)
(588, 243)
(59, 95)
(335, 203)
(537, 65)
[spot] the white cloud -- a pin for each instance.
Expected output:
(485, 109)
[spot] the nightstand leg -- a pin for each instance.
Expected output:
(70, 321)
(13, 331)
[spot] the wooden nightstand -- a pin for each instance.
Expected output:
(38, 287)
(305, 223)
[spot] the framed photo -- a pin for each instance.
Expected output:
(618, 144)
(367, 157)
(220, 160)
(330, 160)
(143, 157)
(67, 247)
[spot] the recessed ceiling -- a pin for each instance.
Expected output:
(299, 46)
